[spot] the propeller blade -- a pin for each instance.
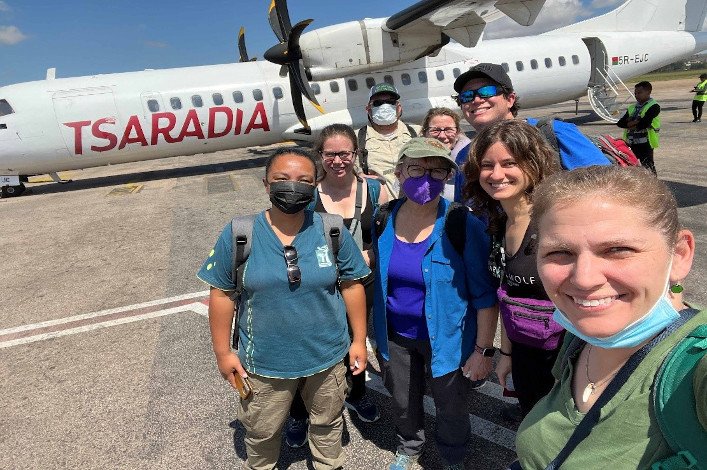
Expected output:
(300, 75)
(297, 103)
(241, 45)
(279, 18)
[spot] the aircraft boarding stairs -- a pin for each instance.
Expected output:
(608, 95)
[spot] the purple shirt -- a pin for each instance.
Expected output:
(406, 289)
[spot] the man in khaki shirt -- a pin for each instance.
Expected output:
(381, 140)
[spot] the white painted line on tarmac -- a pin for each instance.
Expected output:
(479, 426)
(111, 311)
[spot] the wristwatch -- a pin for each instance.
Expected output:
(486, 352)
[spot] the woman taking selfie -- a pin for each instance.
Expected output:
(612, 256)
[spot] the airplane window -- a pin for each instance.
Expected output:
(519, 66)
(176, 103)
(218, 99)
(506, 67)
(315, 88)
(533, 64)
(334, 86)
(456, 72)
(561, 61)
(548, 62)
(257, 95)
(440, 75)
(388, 79)
(5, 108)
(353, 85)
(153, 106)
(237, 97)
(277, 93)
(575, 59)
(370, 81)
(422, 76)
(197, 101)
(406, 79)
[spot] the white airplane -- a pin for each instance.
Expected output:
(73, 123)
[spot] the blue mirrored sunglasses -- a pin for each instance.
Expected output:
(486, 91)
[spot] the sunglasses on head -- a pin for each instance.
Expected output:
(294, 275)
(486, 91)
(381, 102)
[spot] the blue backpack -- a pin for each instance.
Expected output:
(574, 148)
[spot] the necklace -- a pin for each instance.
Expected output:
(591, 386)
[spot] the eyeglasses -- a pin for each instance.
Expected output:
(344, 155)
(417, 171)
(377, 103)
(486, 91)
(440, 130)
(294, 275)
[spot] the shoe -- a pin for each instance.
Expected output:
(694, 120)
(366, 410)
(296, 433)
(512, 413)
(403, 462)
(477, 384)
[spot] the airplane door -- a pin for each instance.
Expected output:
(599, 60)
(76, 110)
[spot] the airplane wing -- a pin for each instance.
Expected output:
(462, 20)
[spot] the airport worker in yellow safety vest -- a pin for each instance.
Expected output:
(698, 101)
(642, 124)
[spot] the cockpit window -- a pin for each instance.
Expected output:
(5, 108)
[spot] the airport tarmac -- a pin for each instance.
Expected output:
(105, 356)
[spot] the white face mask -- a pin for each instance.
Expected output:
(384, 114)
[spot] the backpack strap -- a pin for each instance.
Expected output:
(411, 130)
(333, 226)
(675, 404)
(374, 191)
(241, 232)
(380, 219)
(592, 417)
(362, 152)
(545, 126)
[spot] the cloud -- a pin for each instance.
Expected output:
(555, 14)
(10, 35)
(4, 6)
(606, 3)
(156, 44)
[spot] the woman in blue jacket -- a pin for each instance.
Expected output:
(434, 306)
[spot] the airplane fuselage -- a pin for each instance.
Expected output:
(81, 122)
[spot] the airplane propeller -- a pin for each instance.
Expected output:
(241, 46)
(288, 53)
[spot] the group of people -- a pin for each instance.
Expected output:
(439, 234)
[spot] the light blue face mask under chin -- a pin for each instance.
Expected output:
(653, 322)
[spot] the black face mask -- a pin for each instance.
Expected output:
(291, 196)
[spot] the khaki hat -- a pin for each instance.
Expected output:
(422, 147)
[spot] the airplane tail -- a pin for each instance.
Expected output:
(647, 15)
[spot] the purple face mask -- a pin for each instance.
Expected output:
(423, 189)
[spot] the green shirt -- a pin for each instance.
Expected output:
(627, 435)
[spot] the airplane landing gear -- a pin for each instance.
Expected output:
(12, 191)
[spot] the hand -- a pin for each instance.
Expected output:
(369, 257)
(503, 369)
(358, 357)
(477, 367)
(229, 364)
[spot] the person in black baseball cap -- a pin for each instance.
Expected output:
(486, 95)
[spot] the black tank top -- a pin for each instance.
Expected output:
(366, 219)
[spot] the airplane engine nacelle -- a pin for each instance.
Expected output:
(363, 46)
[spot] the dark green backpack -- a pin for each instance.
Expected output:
(675, 405)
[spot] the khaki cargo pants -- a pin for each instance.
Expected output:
(265, 413)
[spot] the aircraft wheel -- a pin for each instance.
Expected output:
(12, 191)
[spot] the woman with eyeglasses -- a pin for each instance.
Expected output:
(443, 124)
(434, 304)
(507, 160)
(340, 191)
(291, 316)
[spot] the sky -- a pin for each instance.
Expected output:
(87, 37)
